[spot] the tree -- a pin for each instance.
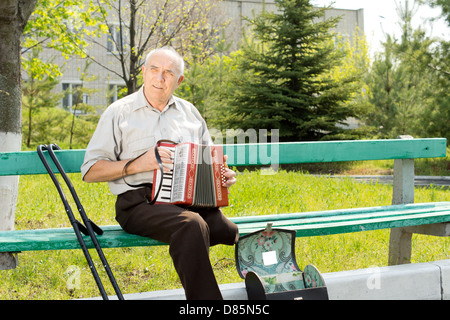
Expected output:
(435, 121)
(36, 94)
(437, 117)
(207, 82)
(443, 4)
(408, 84)
(63, 26)
(14, 15)
(13, 18)
(134, 27)
(82, 109)
(388, 85)
(283, 84)
(44, 122)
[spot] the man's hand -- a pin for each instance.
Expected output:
(229, 174)
(148, 162)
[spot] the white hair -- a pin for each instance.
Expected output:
(171, 51)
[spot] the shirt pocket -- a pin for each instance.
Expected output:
(139, 146)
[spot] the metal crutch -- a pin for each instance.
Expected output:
(89, 227)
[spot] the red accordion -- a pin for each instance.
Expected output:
(195, 178)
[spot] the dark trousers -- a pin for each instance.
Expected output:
(188, 233)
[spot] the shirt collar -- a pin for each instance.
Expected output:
(141, 101)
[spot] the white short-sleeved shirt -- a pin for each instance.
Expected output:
(131, 126)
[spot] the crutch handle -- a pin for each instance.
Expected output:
(82, 228)
(96, 228)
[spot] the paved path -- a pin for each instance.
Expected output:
(423, 181)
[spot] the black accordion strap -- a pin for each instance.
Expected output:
(158, 159)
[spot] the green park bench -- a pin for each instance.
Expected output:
(403, 217)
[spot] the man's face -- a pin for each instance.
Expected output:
(161, 78)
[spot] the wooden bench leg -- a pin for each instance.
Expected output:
(400, 246)
(8, 260)
(400, 241)
(403, 192)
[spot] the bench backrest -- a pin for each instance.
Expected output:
(28, 162)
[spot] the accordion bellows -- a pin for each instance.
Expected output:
(195, 179)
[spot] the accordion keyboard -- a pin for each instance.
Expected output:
(165, 194)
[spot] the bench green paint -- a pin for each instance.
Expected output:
(305, 225)
(28, 162)
(400, 215)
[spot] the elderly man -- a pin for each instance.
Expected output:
(130, 127)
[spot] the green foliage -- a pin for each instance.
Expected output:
(37, 100)
(443, 4)
(44, 122)
(436, 113)
(88, 112)
(433, 166)
(385, 83)
(53, 125)
(62, 25)
(408, 84)
(207, 83)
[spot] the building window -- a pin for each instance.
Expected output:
(73, 95)
(115, 92)
(115, 42)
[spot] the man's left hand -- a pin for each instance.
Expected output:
(229, 174)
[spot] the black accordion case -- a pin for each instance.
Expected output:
(266, 260)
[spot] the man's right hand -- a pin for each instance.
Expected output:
(106, 170)
(148, 162)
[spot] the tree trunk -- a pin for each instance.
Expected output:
(14, 15)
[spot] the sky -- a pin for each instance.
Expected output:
(380, 17)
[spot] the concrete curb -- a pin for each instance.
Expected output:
(417, 281)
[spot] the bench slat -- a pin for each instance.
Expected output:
(316, 228)
(334, 151)
(28, 162)
(305, 224)
(352, 220)
(65, 239)
(346, 213)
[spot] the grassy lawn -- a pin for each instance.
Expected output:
(52, 275)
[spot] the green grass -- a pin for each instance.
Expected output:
(46, 275)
